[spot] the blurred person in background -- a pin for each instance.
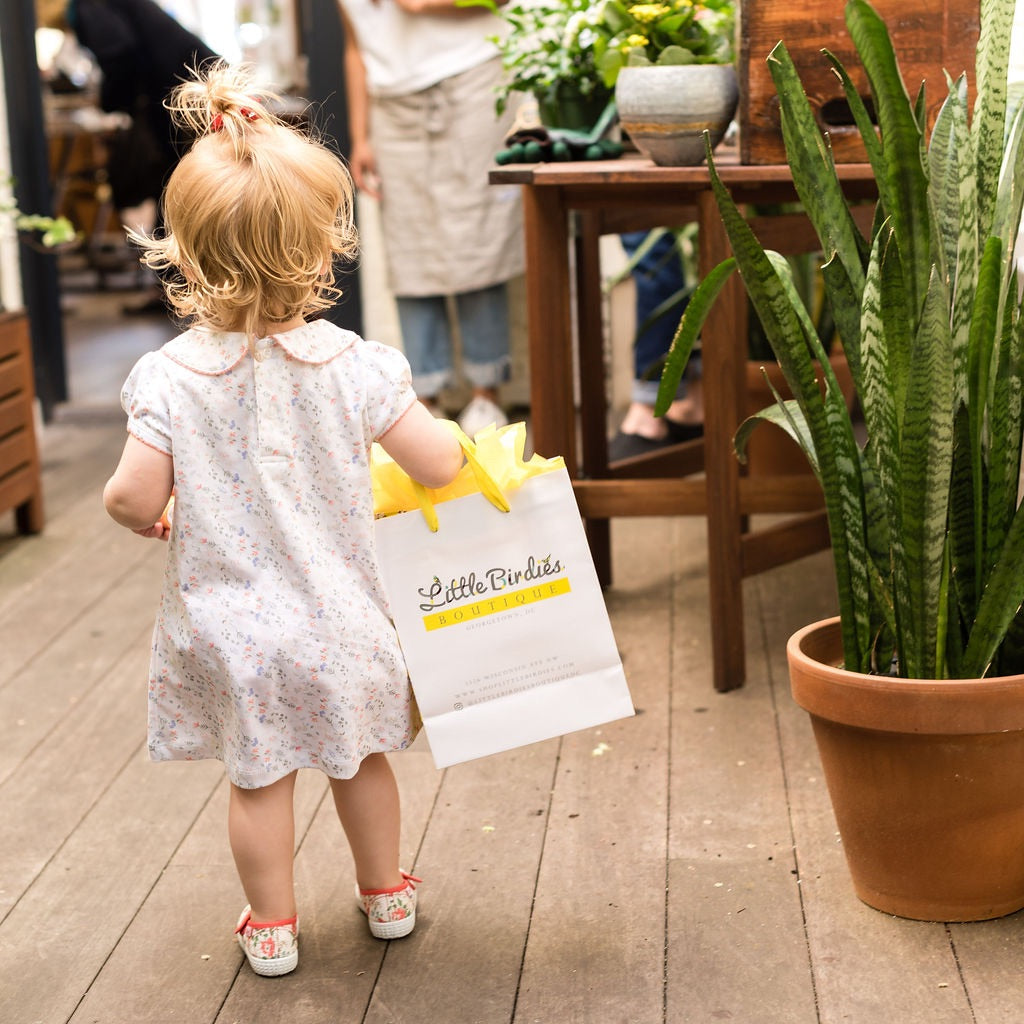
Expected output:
(420, 80)
(142, 53)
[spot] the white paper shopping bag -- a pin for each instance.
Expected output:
(502, 622)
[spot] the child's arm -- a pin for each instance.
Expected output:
(423, 447)
(135, 496)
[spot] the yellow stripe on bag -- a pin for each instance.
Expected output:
(474, 610)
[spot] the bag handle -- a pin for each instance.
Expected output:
(487, 484)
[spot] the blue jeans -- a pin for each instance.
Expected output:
(657, 276)
(483, 327)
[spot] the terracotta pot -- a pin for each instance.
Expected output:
(926, 779)
(771, 451)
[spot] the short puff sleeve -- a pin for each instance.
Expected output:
(145, 397)
(388, 382)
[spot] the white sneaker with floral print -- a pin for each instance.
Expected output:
(272, 948)
(391, 912)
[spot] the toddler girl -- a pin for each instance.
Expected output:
(273, 648)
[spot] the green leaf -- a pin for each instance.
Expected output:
(988, 125)
(897, 322)
(821, 195)
(1004, 432)
(675, 55)
(961, 519)
(1010, 200)
(609, 64)
(861, 117)
(1000, 602)
(688, 331)
(827, 420)
(926, 455)
(814, 173)
(921, 110)
(980, 349)
(902, 182)
(964, 281)
(944, 177)
(880, 569)
(882, 400)
(788, 417)
(844, 302)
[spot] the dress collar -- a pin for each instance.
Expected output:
(215, 352)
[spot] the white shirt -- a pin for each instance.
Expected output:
(405, 53)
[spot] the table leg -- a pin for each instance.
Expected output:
(593, 376)
(546, 228)
(723, 357)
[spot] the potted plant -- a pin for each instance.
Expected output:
(551, 49)
(33, 229)
(671, 67)
(569, 54)
(916, 691)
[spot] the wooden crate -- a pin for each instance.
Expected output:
(20, 485)
(928, 36)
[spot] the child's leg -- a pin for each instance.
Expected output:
(261, 828)
(369, 812)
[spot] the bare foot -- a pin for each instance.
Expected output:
(641, 421)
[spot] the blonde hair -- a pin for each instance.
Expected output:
(255, 212)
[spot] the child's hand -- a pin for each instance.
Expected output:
(157, 531)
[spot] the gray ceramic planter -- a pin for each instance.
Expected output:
(667, 109)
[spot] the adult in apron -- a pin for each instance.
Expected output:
(424, 132)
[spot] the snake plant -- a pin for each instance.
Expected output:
(926, 527)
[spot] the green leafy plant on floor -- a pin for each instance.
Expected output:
(927, 533)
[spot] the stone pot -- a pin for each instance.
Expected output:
(926, 779)
(666, 109)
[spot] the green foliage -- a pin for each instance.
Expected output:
(677, 32)
(548, 42)
(51, 231)
(927, 532)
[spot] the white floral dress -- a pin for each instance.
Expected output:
(273, 648)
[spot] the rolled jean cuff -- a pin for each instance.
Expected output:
(645, 392)
(486, 375)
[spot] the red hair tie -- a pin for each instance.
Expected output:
(218, 122)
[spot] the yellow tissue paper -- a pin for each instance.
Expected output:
(499, 450)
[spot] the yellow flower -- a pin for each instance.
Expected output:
(635, 41)
(646, 13)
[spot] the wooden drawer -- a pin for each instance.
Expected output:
(20, 484)
(15, 413)
(15, 375)
(928, 36)
(16, 452)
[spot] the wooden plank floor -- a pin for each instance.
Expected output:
(681, 866)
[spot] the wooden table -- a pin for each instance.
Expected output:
(567, 207)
